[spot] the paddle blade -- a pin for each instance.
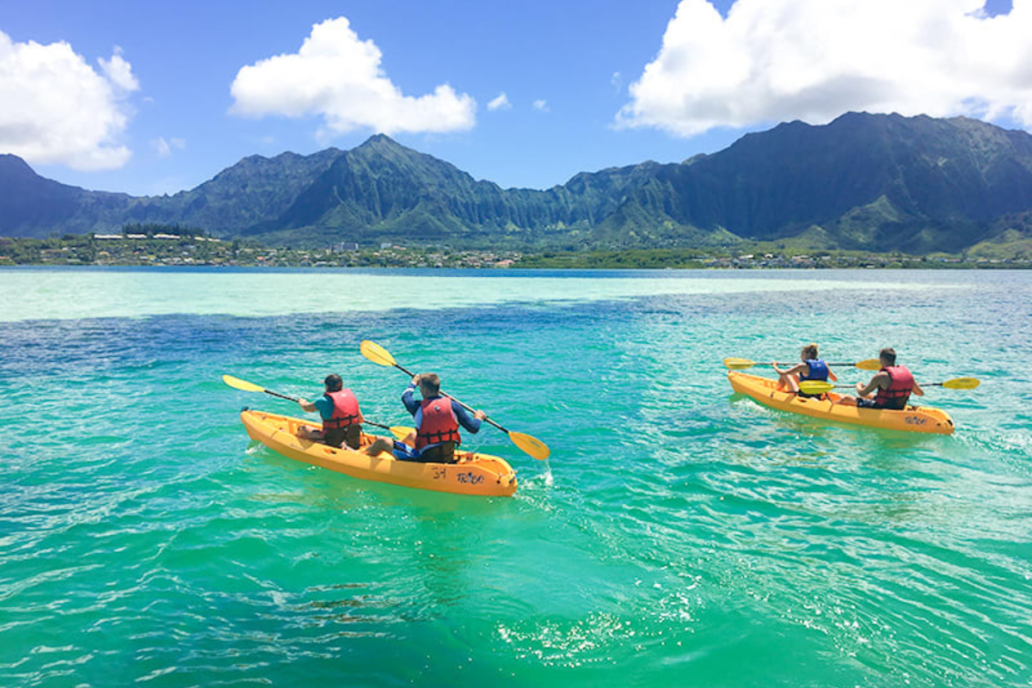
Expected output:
(532, 446)
(962, 383)
(738, 363)
(815, 387)
(377, 354)
(244, 385)
(400, 432)
(869, 364)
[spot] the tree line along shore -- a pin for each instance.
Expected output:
(189, 249)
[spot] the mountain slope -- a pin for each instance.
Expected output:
(248, 193)
(870, 181)
(31, 205)
(881, 182)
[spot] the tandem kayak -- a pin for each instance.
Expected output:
(474, 474)
(911, 419)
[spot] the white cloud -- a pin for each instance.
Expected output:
(616, 81)
(56, 109)
(164, 146)
(500, 103)
(777, 60)
(119, 72)
(541, 105)
(338, 76)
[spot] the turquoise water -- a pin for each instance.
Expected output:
(679, 535)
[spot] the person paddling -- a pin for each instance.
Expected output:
(893, 383)
(341, 416)
(811, 368)
(437, 423)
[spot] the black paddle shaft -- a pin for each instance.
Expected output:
(281, 396)
(295, 399)
(468, 408)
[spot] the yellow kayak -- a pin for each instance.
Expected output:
(474, 474)
(912, 419)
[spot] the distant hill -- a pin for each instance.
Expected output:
(876, 182)
(32, 206)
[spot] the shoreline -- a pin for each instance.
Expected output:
(201, 251)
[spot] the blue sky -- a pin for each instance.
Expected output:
(151, 98)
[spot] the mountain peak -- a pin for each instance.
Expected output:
(380, 143)
(13, 165)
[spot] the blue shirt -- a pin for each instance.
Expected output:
(325, 406)
(415, 408)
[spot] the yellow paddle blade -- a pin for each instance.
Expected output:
(869, 364)
(815, 387)
(376, 353)
(962, 383)
(738, 363)
(531, 445)
(400, 432)
(244, 385)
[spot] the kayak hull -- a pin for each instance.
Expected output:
(913, 419)
(474, 474)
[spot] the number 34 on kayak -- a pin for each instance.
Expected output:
(427, 456)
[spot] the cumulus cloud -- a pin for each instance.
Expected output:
(164, 146)
(777, 60)
(338, 76)
(500, 103)
(541, 105)
(119, 72)
(56, 109)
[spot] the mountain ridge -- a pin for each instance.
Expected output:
(875, 182)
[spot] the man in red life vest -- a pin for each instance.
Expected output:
(892, 386)
(341, 417)
(437, 423)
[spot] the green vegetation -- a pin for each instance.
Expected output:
(874, 183)
(157, 245)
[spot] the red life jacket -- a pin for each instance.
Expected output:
(439, 423)
(345, 410)
(900, 387)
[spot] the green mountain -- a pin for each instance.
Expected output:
(32, 206)
(877, 182)
(248, 193)
(880, 182)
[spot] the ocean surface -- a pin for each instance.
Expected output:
(679, 535)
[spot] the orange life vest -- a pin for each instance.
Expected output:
(345, 410)
(439, 423)
(900, 387)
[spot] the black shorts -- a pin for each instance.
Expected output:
(351, 435)
(440, 453)
(870, 403)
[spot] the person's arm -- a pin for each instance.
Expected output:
(873, 386)
(917, 389)
(832, 376)
(408, 398)
(307, 405)
(797, 368)
(471, 423)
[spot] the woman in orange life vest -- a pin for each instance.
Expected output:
(811, 368)
(893, 384)
(341, 417)
(437, 423)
